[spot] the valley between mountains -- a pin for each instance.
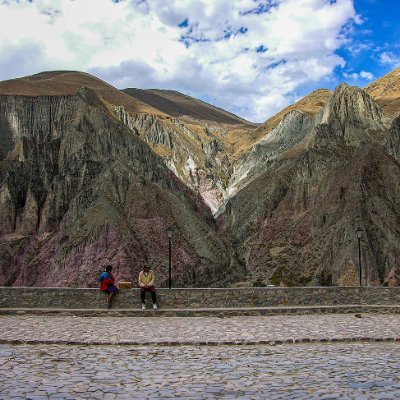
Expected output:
(92, 175)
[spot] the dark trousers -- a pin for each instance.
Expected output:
(152, 290)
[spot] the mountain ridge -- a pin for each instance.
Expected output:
(385, 91)
(171, 99)
(96, 175)
(53, 83)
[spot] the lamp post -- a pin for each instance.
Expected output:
(169, 234)
(359, 232)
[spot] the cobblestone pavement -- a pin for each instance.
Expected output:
(297, 371)
(201, 330)
(119, 370)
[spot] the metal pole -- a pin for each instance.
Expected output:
(359, 259)
(170, 265)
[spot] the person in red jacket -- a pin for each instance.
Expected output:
(107, 280)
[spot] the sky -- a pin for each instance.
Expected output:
(249, 57)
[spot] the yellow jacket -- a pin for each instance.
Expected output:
(146, 280)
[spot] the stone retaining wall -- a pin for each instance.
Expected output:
(24, 297)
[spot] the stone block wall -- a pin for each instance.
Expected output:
(73, 298)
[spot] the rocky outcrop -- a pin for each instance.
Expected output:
(354, 117)
(290, 131)
(84, 190)
(197, 157)
(393, 140)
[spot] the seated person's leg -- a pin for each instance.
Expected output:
(153, 294)
(143, 294)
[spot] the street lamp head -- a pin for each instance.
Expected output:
(169, 232)
(359, 232)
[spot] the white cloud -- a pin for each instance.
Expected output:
(361, 75)
(389, 58)
(213, 55)
(366, 75)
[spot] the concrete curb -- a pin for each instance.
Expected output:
(205, 312)
(272, 342)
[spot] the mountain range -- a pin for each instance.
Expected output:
(92, 175)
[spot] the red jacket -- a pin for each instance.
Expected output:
(104, 282)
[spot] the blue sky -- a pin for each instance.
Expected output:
(375, 43)
(379, 33)
(250, 57)
(372, 49)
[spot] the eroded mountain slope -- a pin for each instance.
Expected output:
(313, 183)
(79, 190)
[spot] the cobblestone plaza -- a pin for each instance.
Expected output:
(330, 357)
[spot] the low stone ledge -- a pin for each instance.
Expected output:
(78, 298)
(205, 312)
(169, 343)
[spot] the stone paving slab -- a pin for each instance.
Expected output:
(199, 330)
(302, 371)
(102, 363)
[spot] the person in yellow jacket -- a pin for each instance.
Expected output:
(146, 283)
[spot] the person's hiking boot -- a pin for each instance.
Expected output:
(143, 306)
(155, 306)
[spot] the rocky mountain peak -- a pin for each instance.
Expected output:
(354, 115)
(61, 83)
(310, 104)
